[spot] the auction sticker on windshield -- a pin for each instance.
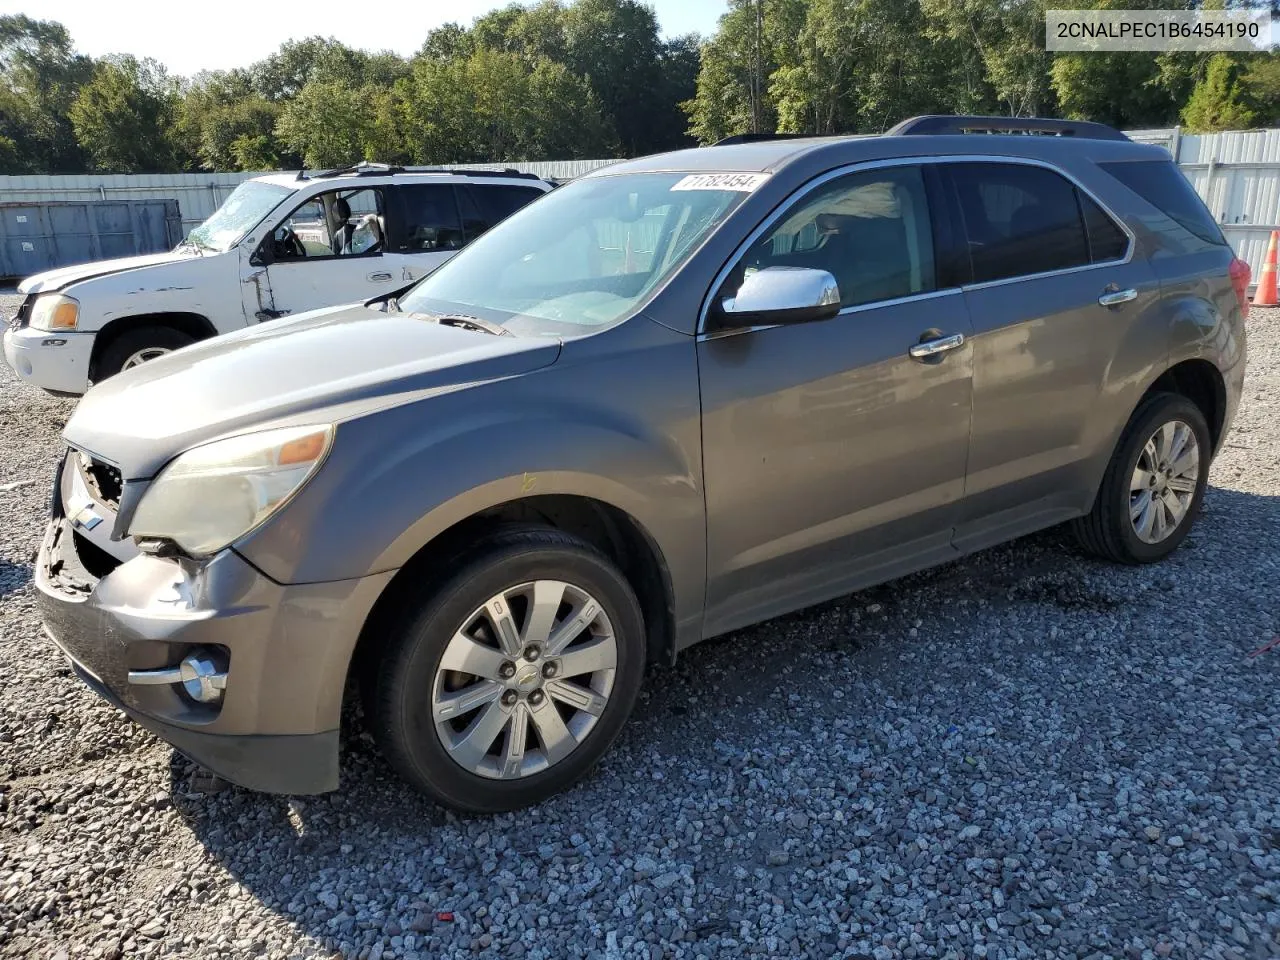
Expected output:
(744, 182)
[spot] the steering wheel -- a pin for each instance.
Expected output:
(287, 246)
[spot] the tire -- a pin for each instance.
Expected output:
(408, 687)
(120, 350)
(1111, 529)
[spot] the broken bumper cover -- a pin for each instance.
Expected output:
(286, 650)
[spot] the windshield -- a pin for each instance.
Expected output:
(240, 213)
(581, 257)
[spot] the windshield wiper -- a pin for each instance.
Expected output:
(462, 320)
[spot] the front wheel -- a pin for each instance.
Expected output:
(1153, 486)
(135, 347)
(514, 676)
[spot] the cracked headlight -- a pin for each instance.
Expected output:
(216, 493)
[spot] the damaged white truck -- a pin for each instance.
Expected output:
(281, 244)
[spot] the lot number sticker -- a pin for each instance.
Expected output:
(744, 182)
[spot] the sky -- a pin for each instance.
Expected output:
(188, 37)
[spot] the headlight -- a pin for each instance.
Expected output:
(53, 311)
(216, 493)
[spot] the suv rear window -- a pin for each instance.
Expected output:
(1018, 220)
(1163, 186)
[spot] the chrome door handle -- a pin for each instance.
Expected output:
(378, 277)
(932, 348)
(1117, 297)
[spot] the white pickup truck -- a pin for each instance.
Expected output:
(280, 244)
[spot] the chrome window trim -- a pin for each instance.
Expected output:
(844, 311)
(808, 187)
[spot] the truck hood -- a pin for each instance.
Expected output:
(65, 276)
(323, 366)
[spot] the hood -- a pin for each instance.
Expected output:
(65, 276)
(317, 367)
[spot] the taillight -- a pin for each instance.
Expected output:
(1240, 274)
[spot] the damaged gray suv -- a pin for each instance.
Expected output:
(673, 398)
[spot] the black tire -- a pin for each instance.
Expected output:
(1106, 530)
(119, 349)
(397, 689)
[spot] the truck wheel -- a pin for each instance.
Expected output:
(134, 347)
(514, 675)
(1153, 486)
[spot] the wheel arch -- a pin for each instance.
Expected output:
(195, 325)
(609, 528)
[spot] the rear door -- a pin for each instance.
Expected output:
(1045, 260)
(426, 229)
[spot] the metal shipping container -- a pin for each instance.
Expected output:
(41, 236)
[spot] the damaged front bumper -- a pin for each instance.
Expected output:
(284, 648)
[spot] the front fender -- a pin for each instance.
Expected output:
(616, 422)
(208, 286)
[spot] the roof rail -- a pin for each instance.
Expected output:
(938, 124)
(506, 172)
(362, 169)
(759, 137)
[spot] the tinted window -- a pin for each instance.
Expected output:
(499, 201)
(1163, 186)
(868, 230)
(1018, 219)
(1106, 240)
(431, 218)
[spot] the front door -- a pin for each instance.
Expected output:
(833, 457)
(329, 251)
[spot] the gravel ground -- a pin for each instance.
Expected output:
(1024, 754)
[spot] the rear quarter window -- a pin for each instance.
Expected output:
(1163, 186)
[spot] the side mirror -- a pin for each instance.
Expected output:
(783, 295)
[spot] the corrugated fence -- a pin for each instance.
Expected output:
(199, 194)
(1237, 174)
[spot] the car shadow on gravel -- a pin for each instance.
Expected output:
(13, 576)
(278, 848)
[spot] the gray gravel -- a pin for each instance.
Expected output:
(1024, 754)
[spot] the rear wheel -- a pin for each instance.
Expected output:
(514, 676)
(135, 347)
(1154, 484)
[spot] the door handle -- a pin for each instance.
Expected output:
(933, 348)
(1114, 298)
(380, 276)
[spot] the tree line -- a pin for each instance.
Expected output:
(567, 79)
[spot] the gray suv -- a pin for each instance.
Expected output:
(681, 395)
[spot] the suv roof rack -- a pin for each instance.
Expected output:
(362, 169)
(505, 172)
(940, 124)
(760, 137)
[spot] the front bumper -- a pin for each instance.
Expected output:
(287, 648)
(55, 361)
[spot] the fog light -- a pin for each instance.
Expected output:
(202, 679)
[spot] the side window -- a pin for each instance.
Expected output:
(1162, 185)
(339, 223)
(869, 230)
(1106, 240)
(431, 222)
(1018, 219)
(486, 204)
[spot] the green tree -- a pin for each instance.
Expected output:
(329, 124)
(123, 117)
(40, 77)
(224, 120)
(1220, 100)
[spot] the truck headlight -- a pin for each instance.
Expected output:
(53, 311)
(216, 493)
